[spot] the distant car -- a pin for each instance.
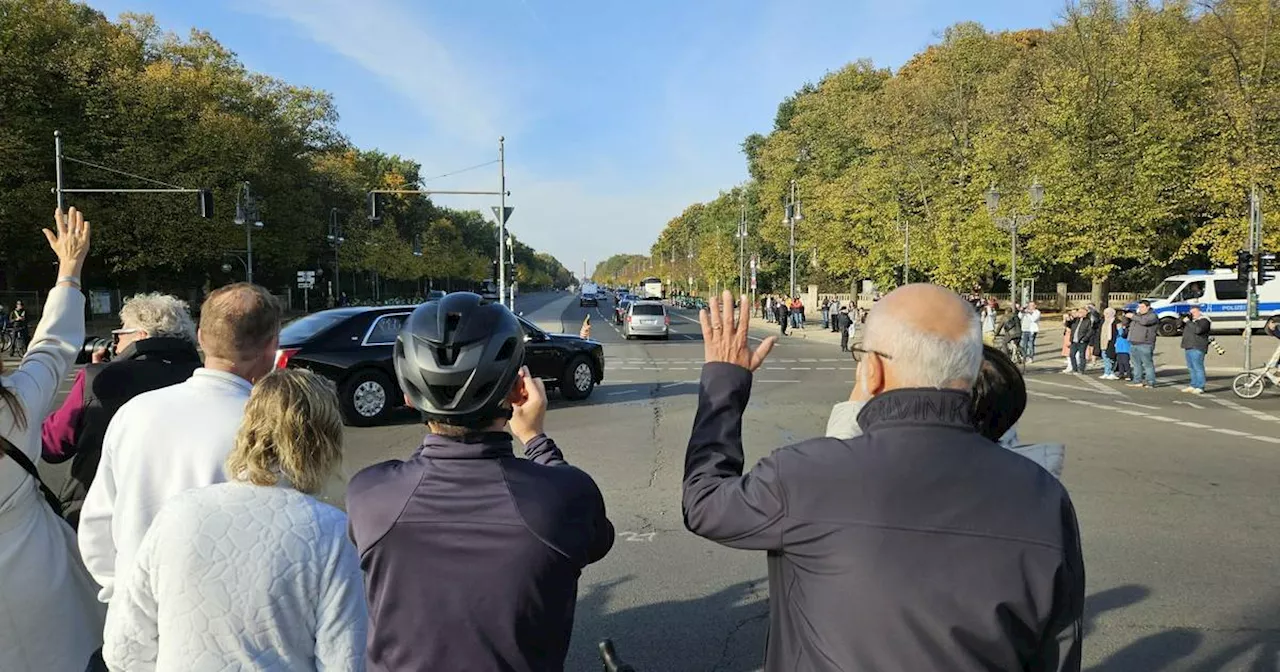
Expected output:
(353, 348)
(586, 299)
(620, 311)
(647, 318)
(435, 295)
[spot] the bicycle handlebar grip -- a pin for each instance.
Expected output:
(610, 658)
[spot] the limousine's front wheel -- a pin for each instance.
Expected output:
(366, 398)
(578, 379)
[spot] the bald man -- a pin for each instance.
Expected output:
(920, 545)
(177, 438)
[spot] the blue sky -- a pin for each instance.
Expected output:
(617, 114)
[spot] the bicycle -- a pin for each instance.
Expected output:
(13, 341)
(610, 658)
(1251, 384)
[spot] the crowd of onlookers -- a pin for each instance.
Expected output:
(919, 533)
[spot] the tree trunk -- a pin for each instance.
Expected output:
(1101, 289)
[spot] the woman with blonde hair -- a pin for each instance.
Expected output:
(52, 618)
(254, 573)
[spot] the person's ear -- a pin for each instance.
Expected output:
(875, 382)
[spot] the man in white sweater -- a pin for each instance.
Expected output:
(177, 438)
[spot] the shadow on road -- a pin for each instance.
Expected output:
(724, 631)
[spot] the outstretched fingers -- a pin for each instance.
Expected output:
(762, 352)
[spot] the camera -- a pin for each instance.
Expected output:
(92, 344)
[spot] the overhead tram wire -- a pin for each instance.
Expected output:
(463, 170)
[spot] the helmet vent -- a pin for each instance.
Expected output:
(508, 348)
(451, 321)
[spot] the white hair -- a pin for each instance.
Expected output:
(927, 359)
(158, 315)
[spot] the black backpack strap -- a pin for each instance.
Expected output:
(11, 451)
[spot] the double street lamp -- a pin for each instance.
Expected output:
(246, 214)
(1011, 224)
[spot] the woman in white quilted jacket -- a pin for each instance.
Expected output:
(253, 574)
(50, 617)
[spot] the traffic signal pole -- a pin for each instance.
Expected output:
(1255, 255)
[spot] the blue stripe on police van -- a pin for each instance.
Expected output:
(1226, 308)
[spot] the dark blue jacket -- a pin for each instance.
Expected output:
(919, 545)
(472, 555)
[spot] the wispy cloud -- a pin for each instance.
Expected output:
(395, 43)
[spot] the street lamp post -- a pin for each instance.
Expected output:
(247, 216)
(742, 251)
(905, 227)
(1011, 224)
(511, 296)
(336, 239)
(792, 210)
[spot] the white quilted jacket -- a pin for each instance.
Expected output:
(240, 577)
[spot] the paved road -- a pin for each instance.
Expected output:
(1177, 504)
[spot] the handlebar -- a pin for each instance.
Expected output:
(610, 658)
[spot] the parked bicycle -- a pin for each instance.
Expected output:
(13, 341)
(1251, 384)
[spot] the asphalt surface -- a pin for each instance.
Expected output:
(1176, 496)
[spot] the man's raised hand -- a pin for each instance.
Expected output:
(726, 341)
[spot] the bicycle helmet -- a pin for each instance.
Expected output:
(457, 358)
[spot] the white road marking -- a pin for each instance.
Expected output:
(1187, 403)
(1259, 415)
(614, 394)
(1130, 403)
(1069, 387)
(826, 368)
(1101, 386)
(1159, 418)
(777, 381)
(801, 368)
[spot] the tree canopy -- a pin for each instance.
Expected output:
(129, 96)
(1146, 123)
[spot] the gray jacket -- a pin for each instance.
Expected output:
(1142, 328)
(920, 545)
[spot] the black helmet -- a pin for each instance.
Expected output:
(457, 358)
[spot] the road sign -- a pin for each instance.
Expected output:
(306, 279)
(498, 215)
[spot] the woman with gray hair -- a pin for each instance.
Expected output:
(154, 348)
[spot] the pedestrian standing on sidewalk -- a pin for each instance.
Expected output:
(1095, 326)
(990, 314)
(835, 310)
(18, 323)
(768, 309)
(1121, 342)
(1081, 336)
(783, 315)
(1142, 342)
(826, 313)
(1106, 343)
(797, 313)
(1030, 330)
(845, 324)
(1195, 343)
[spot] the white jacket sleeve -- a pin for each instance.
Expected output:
(57, 339)
(96, 534)
(843, 423)
(131, 639)
(342, 616)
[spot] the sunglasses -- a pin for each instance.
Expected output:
(117, 333)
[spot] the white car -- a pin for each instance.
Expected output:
(647, 318)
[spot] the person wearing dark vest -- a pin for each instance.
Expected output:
(155, 348)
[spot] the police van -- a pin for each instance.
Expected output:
(1221, 295)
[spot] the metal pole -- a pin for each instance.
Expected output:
(502, 221)
(57, 165)
(1013, 262)
(1255, 249)
(337, 263)
(742, 251)
(791, 219)
(248, 235)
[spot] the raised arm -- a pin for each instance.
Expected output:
(60, 333)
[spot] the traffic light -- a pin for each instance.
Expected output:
(1244, 261)
(205, 202)
(1265, 263)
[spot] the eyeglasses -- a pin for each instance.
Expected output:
(858, 353)
(117, 333)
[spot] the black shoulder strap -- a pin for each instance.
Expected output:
(11, 451)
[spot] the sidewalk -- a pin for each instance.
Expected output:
(1169, 358)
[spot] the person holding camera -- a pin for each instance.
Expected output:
(154, 348)
(52, 620)
(1195, 343)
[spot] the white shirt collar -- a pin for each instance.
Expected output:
(222, 377)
